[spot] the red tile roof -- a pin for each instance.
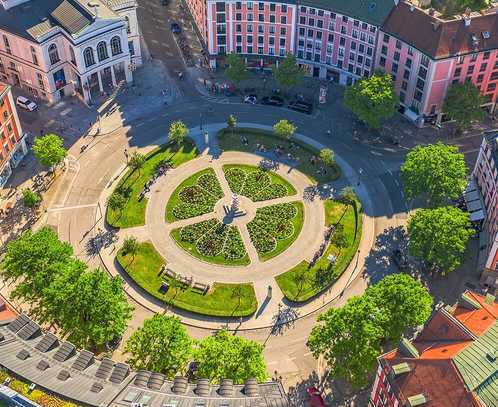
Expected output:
(477, 321)
(7, 313)
(441, 38)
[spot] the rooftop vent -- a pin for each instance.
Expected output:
(65, 351)
(468, 302)
(401, 368)
(416, 400)
(407, 348)
(48, 342)
(63, 375)
(104, 369)
(251, 388)
(226, 388)
(19, 322)
(156, 381)
(203, 387)
(490, 299)
(142, 378)
(180, 385)
(42, 365)
(119, 373)
(23, 354)
(485, 35)
(96, 387)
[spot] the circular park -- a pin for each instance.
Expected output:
(210, 235)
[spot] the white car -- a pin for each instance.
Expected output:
(26, 104)
(252, 99)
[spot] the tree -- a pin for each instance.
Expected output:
(236, 70)
(339, 237)
(231, 123)
(136, 161)
(30, 198)
(326, 155)
(227, 356)
(439, 236)
(91, 309)
(349, 338)
(162, 344)
(49, 150)
(437, 171)
(288, 73)
(463, 104)
(300, 278)
(372, 99)
(405, 299)
(116, 201)
(32, 261)
(284, 129)
(177, 132)
(130, 246)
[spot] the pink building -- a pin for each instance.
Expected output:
(426, 55)
(486, 176)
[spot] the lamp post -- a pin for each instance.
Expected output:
(360, 172)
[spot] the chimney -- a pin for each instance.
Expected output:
(95, 7)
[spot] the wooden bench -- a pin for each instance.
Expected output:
(204, 288)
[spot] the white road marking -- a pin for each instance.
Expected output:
(68, 208)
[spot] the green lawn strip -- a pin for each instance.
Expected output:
(318, 277)
(282, 245)
(191, 248)
(274, 178)
(174, 199)
(227, 142)
(133, 214)
(223, 300)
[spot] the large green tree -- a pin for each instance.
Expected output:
(224, 355)
(288, 73)
(136, 161)
(32, 261)
(49, 150)
(372, 99)
(162, 344)
(439, 236)
(236, 69)
(350, 338)
(284, 128)
(437, 172)
(463, 104)
(178, 132)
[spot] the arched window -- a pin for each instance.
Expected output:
(116, 46)
(33, 55)
(128, 28)
(53, 54)
(102, 51)
(88, 57)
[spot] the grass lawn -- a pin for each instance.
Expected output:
(275, 178)
(301, 282)
(175, 196)
(223, 300)
(228, 142)
(282, 245)
(191, 248)
(133, 214)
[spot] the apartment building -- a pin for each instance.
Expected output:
(57, 48)
(451, 363)
(12, 142)
(486, 177)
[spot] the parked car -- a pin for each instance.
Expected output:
(175, 28)
(400, 260)
(252, 99)
(316, 400)
(301, 106)
(272, 100)
(26, 104)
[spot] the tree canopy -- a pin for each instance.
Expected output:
(463, 104)
(437, 171)
(326, 155)
(288, 73)
(372, 99)
(162, 344)
(236, 69)
(439, 236)
(136, 161)
(224, 355)
(350, 337)
(177, 132)
(49, 150)
(284, 129)
(30, 198)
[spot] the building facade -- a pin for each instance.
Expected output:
(450, 363)
(486, 176)
(57, 48)
(13, 144)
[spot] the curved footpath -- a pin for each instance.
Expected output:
(263, 318)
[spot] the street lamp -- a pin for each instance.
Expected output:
(360, 171)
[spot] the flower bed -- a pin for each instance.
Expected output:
(255, 183)
(275, 227)
(212, 241)
(195, 196)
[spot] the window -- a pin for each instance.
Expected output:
(238, 39)
(73, 57)
(238, 5)
(319, 23)
(386, 38)
(249, 5)
(483, 67)
(342, 41)
(282, 52)
(238, 17)
(7, 44)
(404, 85)
(302, 20)
(408, 63)
(351, 56)
(353, 45)
(396, 56)
(480, 78)
(350, 68)
(131, 48)
(406, 74)
(473, 57)
(302, 32)
(88, 57)
(283, 30)
(356, 23)
(271, 50)
(238, 28)
(382, 61)
(249, 50)
(383, 50)
(460, 60)
(249, 17)
(33, 55)
(41, 84)
(272, 6)
(309, 56)
(282, 42)
(420, 84)
(330, 38)
(398, 44)
(261, 6)
(128, 28)
(283, 8)
(343, 29)
(249, 39)
(271, 41)
(424, 61)
(369, 51)
(261, 28)
(317, 57)
(220, 6)
(102, 51)
(310, 33)
(394, 67)
(320, 13)
(470, 69)
(332, 16)
(311, 22)
(260, 50)
(318, 35)
(116, 46)
(371, 39)
(422, 72)
(344, 19)
(331, 26)
(249, 28)
(417, 96)
(354, 33)
(283, 20)
(491, 87)
(486, 55)
(358, 71)
(363, 36)
(402, 97)
(367, 62)
(261, 40)
(238, 49)
(360, 59)
(312, 11)
(53, 54)
(261, 17)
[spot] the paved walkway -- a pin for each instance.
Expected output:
(260, 273)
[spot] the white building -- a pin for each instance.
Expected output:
(57, 48)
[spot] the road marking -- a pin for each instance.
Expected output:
(140, 124)
(68, 208)
(376, 153)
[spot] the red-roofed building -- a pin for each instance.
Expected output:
(12, 143)
(451, 363)
(7, 313)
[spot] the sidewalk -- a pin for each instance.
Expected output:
(265, 315)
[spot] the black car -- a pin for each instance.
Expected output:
(272, 100)
(300, 106)
(175, 28)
